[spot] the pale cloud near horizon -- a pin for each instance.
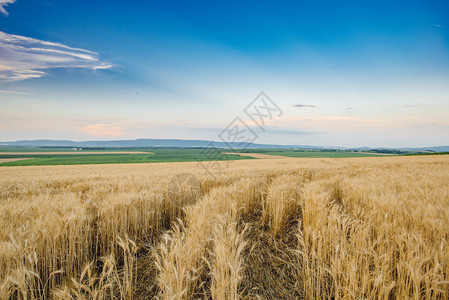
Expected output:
(103, 130)
(357, 124)
(313, 130)
(3, 4)
(332, 121)
(24, 57)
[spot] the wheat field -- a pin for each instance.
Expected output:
(354, 228)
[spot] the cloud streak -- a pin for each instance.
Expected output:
(303, 105)
(24, 57)
(14, 92)
(3, 4)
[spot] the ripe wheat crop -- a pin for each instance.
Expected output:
(296, 228)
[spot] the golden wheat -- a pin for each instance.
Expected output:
(359, 228)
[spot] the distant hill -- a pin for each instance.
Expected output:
(435, 149)
(179, 143)
(134, 143)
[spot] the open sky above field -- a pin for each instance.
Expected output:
(345, 73)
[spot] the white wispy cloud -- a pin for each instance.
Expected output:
(14, 92)
(24, 57)
(3, 4)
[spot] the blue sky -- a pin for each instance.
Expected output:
(345, 73)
